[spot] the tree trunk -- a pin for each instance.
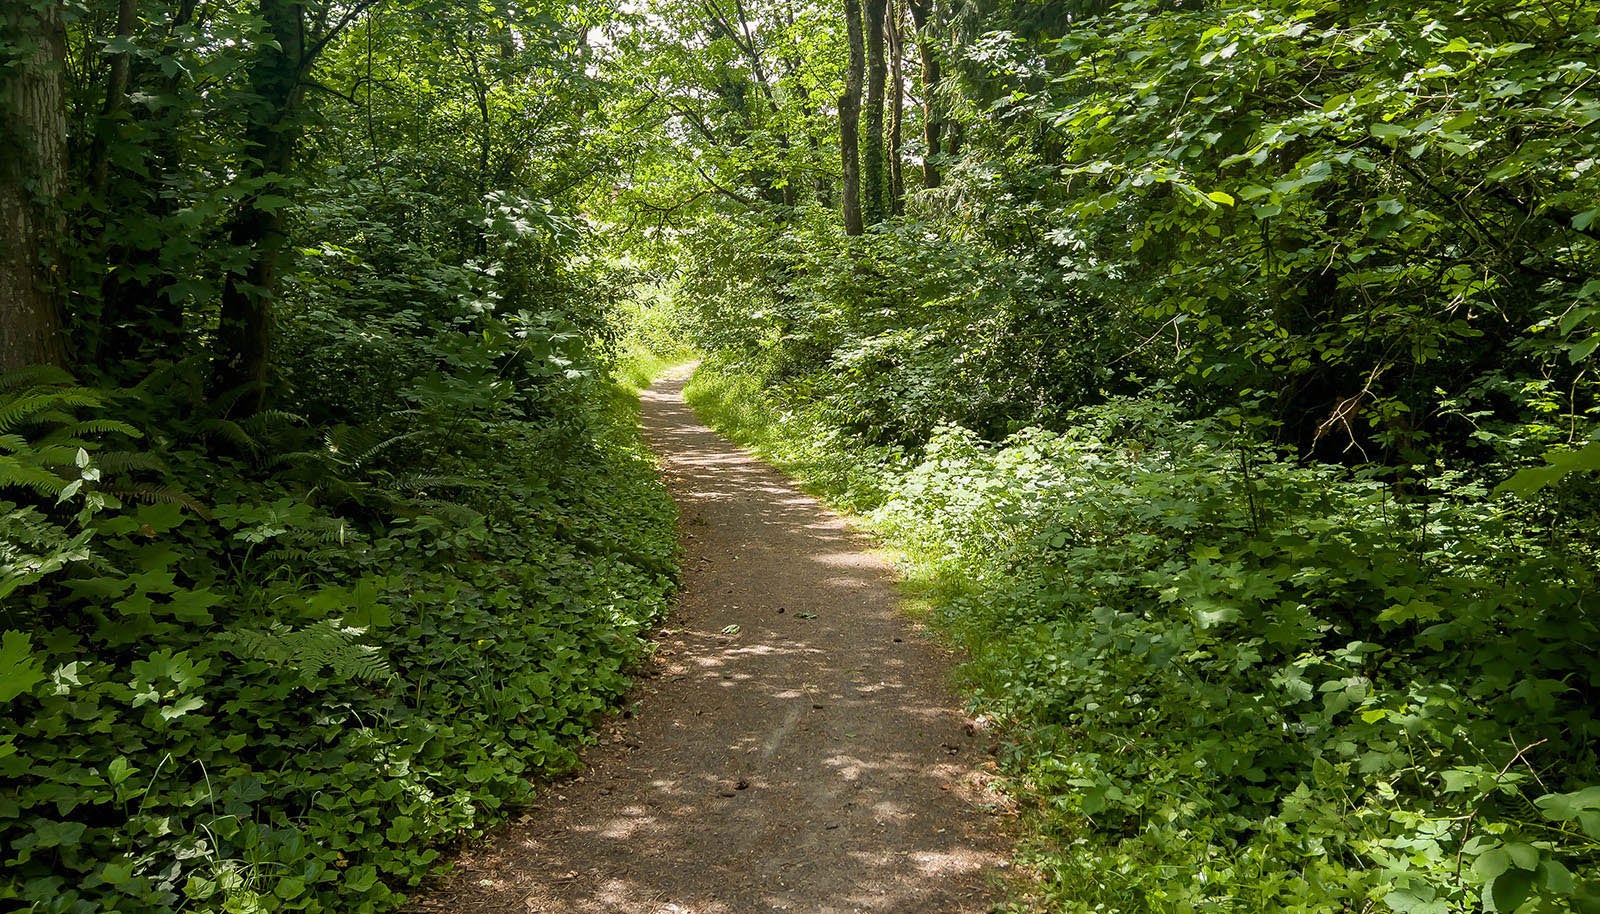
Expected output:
(244, 332)
(897, 181)
(33, 165)
(873, 188)
(932, 119)
(116, 102)
(850, 122)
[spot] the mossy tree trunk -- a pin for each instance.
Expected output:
(850, 122)
(33, 166)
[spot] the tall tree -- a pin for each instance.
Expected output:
(244, 331)
(896, 39)
(33, 165)
(873, 187)
(293, 34)
(850, 122)
(932, 118)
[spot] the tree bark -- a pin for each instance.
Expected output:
(874, 190)
(932, 118)
(244, 331)
(897, 181)
(850, 122)
(33, 165)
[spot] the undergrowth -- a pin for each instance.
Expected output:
(1230, 682)
(301, 669)
(651, 341)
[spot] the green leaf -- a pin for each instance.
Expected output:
(193, 606)
(1218, 196)
(1508, 891)
(1492, 863)
(289, 887)
(360, 878)
(58, 834)
(1523, 856)
(182, 707)
(1582, 350)
(400, 831)
(119, 770)
(270, 202)
(20, 671)
(1557, 878)
(1557, 466)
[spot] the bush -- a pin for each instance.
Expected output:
(298, 696)
(1228, 682)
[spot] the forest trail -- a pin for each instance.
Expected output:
(810, 760)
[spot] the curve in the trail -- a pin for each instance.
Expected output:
(794, 748)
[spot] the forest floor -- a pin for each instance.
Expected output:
(792, 747)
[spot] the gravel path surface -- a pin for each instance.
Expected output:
(793, 749)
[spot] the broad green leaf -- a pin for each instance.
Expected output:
(1508, 890)
(20, 670)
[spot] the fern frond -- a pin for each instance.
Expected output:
(16, 474)
(101, 427)
(52, 417)
(269, 421)
(154, 494)
(319, 530)
(315, 459)
(422, 482)
(455, 513)
(120, 463)
(12, 443)
(36, 376)
(222, 404)
(331, 490)
(63, 454)
(34, 406)
(328, 645)
(350, 442)
(380, 446)
(231, 432)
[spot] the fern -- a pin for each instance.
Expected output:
(451, 512)
(153, 494)
(230, 432)
(31, 548)
(16, 473)
(424, 482)
(121, 463)
(101, 427)
(35, 406)
(257, 434)
(46, 448)
(36, 376)
(50, 453)
(319, 530)
(326, 646)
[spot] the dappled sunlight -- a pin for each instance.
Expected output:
(838, 559)
(793, 752)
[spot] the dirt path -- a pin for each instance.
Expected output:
(795, 748)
